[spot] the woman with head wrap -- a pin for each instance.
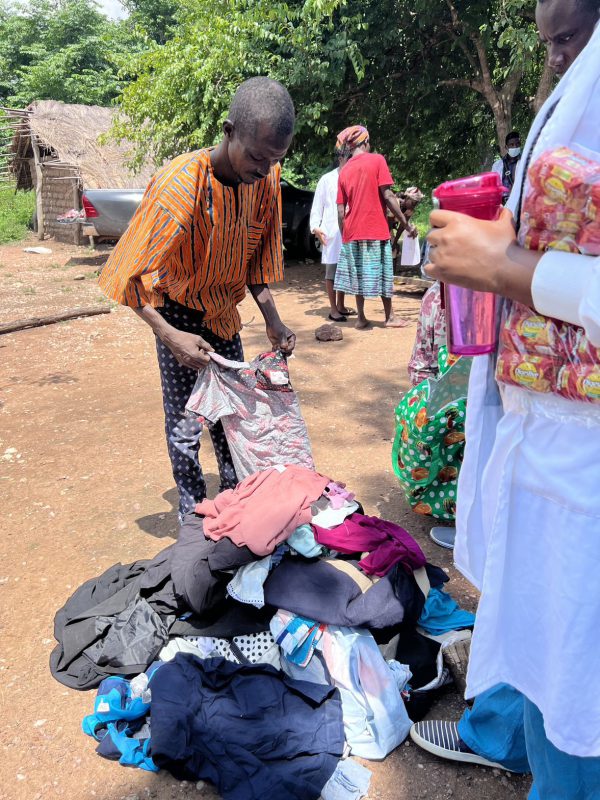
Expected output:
(365, 267)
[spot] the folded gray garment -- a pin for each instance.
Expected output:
(318, 590)
(135, 636)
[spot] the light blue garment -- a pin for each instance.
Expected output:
(556, 775)
(134, 752)
(314, 672)
(303, 541)
(247, 584)
(401, 673)
(375, 717)
(350, 781)
(115, 709)
(115, 701)
(494, 728)
(442, 614)
(297, 636)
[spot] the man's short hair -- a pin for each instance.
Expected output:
(512, 135)
(260, 100)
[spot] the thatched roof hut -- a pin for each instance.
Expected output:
(70, 135)
(59, 150)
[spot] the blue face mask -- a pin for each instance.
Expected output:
(514, 152)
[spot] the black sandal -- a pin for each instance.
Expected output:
(341, 318)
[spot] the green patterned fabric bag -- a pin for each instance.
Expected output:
(430, 438)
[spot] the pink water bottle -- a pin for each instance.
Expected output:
(471, 327)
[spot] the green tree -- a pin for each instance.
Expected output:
(61, 50)
(155, 19)
(183, 88)
(438, 86)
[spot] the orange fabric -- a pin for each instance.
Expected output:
(352, 137)
(199, 242)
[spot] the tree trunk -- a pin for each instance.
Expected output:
(503, 120)
(545, 86)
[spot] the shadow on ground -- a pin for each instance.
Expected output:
(87, 261)
(166, 523)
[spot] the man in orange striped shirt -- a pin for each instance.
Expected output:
(208, 226)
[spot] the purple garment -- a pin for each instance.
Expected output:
(337, 495)
(386, 543)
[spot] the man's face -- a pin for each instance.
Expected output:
(252, 156)
(565, 28)
(513, 143)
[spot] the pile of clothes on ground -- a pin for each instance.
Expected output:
(283, 631)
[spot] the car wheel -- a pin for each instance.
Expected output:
(311, 246)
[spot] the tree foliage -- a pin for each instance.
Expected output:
(154, 19)
(61, 50)
(438, 84)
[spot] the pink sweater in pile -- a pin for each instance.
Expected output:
(264, 509)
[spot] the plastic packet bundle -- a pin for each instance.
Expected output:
(562, 206)
(561, 211)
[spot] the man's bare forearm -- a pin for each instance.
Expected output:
(341, 217)
(190, 349)
(265, 302)
(391, 202)
(152, 318)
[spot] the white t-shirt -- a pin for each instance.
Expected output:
(498, 168)
(324, 216)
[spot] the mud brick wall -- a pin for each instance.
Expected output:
(59, 186)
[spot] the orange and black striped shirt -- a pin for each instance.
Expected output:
(199, 242)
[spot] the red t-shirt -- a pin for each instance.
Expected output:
(358, 190)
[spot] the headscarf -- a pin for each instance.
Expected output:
(351, 138)
(414, 194)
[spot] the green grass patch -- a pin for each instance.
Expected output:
(421, 216)
(16, 210)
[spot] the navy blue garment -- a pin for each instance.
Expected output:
(317, 590)
(251, 730)
(407, 591)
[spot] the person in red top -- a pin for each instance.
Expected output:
(365, 267)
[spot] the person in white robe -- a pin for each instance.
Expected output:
(528, 516)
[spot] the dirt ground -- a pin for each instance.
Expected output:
(85, 482)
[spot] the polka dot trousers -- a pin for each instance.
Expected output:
(183, 432)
